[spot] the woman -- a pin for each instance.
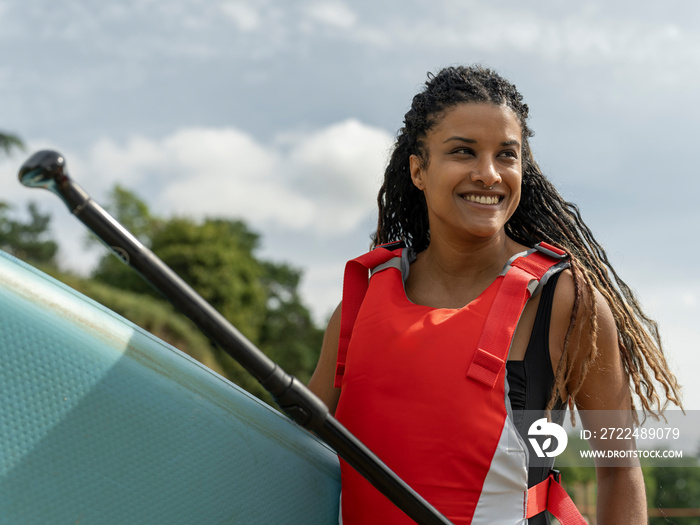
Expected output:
(464, 194)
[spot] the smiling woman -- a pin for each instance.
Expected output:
(472, 161)
(491, 307)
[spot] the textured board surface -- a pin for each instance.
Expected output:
(100, 422)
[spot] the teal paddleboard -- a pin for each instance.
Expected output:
(101, 422)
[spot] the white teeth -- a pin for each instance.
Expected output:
(480, 199)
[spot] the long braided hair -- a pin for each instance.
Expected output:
(542, 215)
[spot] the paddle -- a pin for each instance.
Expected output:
(47, 169)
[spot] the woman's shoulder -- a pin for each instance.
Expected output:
(570, 294)
(581, 314)
(562, 308)
(565, 292)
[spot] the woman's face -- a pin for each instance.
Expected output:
(473, 173)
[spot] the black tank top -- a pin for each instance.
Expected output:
(530, 383)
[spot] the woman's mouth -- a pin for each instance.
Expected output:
(482, 199)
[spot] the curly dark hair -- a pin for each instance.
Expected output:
(542, 215)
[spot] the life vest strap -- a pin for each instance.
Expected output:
(550, 495)
(516, 289)
(355, 284)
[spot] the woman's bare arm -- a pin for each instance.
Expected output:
(321, 382)
(604, 400)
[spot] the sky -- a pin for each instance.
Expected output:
(283, 113)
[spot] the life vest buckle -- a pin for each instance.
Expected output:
(551, 251)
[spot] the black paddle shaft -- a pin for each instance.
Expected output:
(47, 169)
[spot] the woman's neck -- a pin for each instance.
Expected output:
(450, 275)
(470, 259)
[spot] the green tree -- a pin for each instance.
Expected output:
(672, 484)
(288, 335)
(132, 213)
(28, 240)
(9, 142)
(217, 258)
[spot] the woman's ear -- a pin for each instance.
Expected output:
(416, 166)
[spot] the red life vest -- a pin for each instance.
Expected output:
(424, 388)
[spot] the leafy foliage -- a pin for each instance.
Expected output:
(28, 240)
(288, 334)
(217, 258)
(673, 484)
(9, 142)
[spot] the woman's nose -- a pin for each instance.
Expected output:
(486, 173)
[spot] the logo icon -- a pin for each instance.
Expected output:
(542, 427)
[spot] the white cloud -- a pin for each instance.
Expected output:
(322, 288)
(340, 168)
(582, 36)
(124, 165)
(322, 182)
(225, 172)
(244, 15)
(587, 35)
(331, 13)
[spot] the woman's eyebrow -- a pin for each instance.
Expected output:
(473, 141)
(461, 139)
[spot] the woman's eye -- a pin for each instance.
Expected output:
(511, 154)
(464, 151)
